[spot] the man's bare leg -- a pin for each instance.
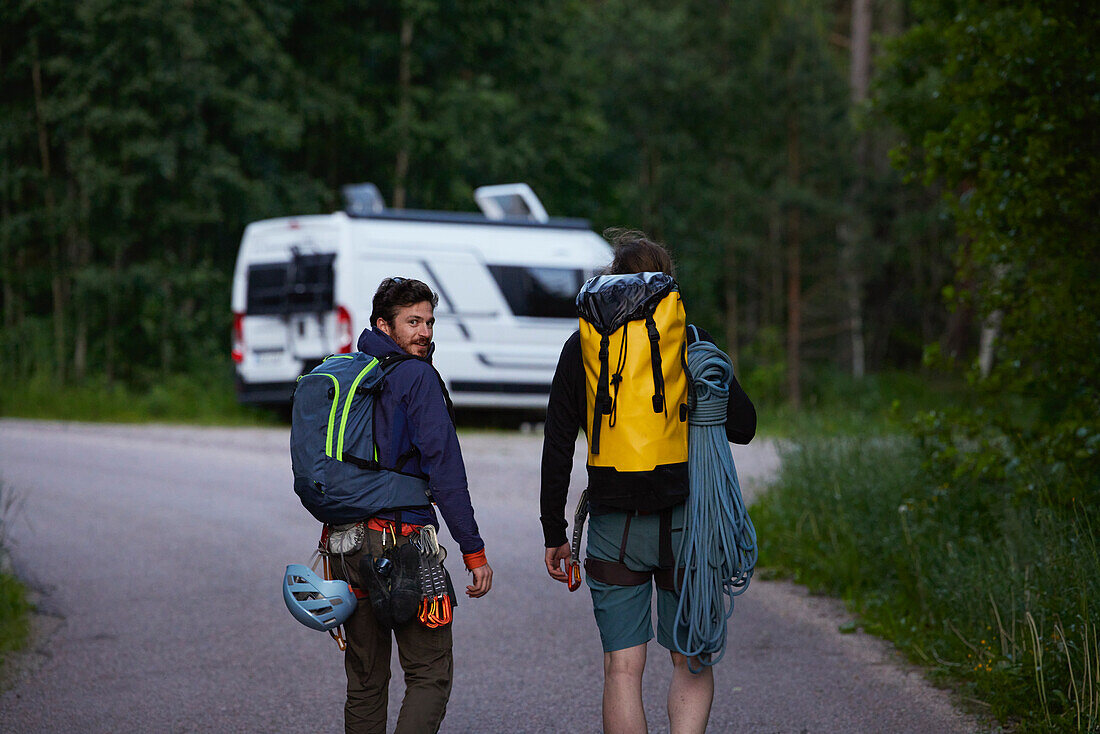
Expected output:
(689, 697)
(622, 691)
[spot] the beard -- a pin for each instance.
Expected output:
(416, 346)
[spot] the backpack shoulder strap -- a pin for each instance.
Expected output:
(392, 360)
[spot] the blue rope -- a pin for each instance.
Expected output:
(718, 545)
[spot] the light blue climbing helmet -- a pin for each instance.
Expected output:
(318, 604)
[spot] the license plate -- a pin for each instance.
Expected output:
(269, 357)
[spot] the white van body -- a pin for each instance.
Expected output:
(303, 286)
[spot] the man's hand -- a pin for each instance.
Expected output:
(554, 558)
(483, 581)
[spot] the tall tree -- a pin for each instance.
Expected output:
(853, 229)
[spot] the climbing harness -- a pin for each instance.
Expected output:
(718, 547)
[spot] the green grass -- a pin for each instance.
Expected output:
(14, 608)
(203, 400)
(14, 616)
(996, 593)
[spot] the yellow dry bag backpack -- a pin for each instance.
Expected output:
(632, 331)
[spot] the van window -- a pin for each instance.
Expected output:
(266, 289)
(303, 285)
(541, 292)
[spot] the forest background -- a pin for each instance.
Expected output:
(878, 206)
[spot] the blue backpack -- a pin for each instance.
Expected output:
(333, 448)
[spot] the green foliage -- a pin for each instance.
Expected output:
(703, 100)
(983, 585)
(1001, 103)
(137, 141)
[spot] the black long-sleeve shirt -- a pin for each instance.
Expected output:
(565, 417)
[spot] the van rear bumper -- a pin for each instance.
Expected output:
(264, 393)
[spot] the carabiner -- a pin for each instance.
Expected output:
(574, 575)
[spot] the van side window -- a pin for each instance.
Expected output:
(539, 292)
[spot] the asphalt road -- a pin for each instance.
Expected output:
(157, 555)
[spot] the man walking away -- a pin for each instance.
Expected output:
(635, 422)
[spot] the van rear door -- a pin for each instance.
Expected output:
(264, 329)
(290, 308)
(309, 305)
(282, 301)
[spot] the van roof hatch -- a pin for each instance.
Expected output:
(363, 200)
(510, 201)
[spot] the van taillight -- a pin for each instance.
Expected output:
(238, 338)
(344, 338)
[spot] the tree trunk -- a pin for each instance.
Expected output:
(991, 329)
(776, 267)
(74, 243)
(958, 338)
(8, 263)
(853, 230)
(58, 287)
(112, 314)
(404, 114)
(9, 270)
(167, 351)
(794, 271)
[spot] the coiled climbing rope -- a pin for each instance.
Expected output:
(718, 545)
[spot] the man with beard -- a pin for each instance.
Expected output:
(415, 435)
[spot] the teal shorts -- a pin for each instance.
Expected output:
(623, 613)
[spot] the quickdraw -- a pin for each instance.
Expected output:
(435, 607)
(574, 570)
(435, 612)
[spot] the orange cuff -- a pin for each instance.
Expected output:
(474, 560)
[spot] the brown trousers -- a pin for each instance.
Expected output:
(425, 656)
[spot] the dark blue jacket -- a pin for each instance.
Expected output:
(412, 412)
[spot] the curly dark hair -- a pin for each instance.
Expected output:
(636, 253)
(394, 293)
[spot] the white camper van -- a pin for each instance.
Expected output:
(506, 280)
